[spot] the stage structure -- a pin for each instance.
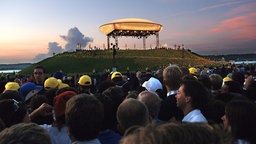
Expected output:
(134, 27)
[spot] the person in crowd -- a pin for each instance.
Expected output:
(85, 83)
(29, 90)
(250, 86)
(172, 133)
(193, 71)
(108, 135)
(153, 103)
(39, 75)
(35, 102)
(13, 112)
(191, 99)
(154, 85)
(84, 116)
(131, 112)
(216, 83)
(240, 117)
(117, 78)
(24, 133)
(58, 129)
(51, 83)
(58, 75)
(11, 94)
(11, 86)
(171, 80)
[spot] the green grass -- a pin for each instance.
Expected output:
(86, 61)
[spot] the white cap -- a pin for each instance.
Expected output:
(152, 84)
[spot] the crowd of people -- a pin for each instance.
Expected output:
(170, 105)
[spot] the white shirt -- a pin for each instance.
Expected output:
(194, 116)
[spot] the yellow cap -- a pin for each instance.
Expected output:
(116, 74)
(63, 85)
(12, 86)
(51, 82)
(85, 80)
(192, 70)
(225, 79)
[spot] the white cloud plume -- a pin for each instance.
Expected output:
(73, 38)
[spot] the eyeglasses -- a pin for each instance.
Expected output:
(15, 105)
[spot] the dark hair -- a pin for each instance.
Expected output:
(84, 116)
(238, 77)
(10, 94)
(35, 102)
(109, 111)
(241, 115)
(172, 133)
(24, 133)
(198, 93)
(41, 67)
(205, 80)
(12, 112)
(216, 81)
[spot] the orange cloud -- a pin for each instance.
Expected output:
(241, 27)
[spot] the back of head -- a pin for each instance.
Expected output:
(12, 112)
(132, 112)
(238, 77)
(84, 116)
(24, 133)
(172, 77)
(109, 111)
(241, 115)
(172, 133)
(216, 81)
(152, 101)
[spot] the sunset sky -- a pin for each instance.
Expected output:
(28, 27)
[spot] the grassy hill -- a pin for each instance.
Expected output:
(86, 61)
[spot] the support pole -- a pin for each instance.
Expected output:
(144, 42)
(116, 41)
(108, 43)
(157, 40)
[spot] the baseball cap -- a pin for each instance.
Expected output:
(85, 80)
(50, 83)
(116, 74)
(225, 79)
(60, 101)
(152, 84)
(192, 70)
(27, 87)
(12, 86)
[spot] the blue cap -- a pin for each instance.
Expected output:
(27, 87)
(58, 75)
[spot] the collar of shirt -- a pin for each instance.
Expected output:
(173, 92)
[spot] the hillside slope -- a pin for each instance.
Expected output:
(86, 61)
